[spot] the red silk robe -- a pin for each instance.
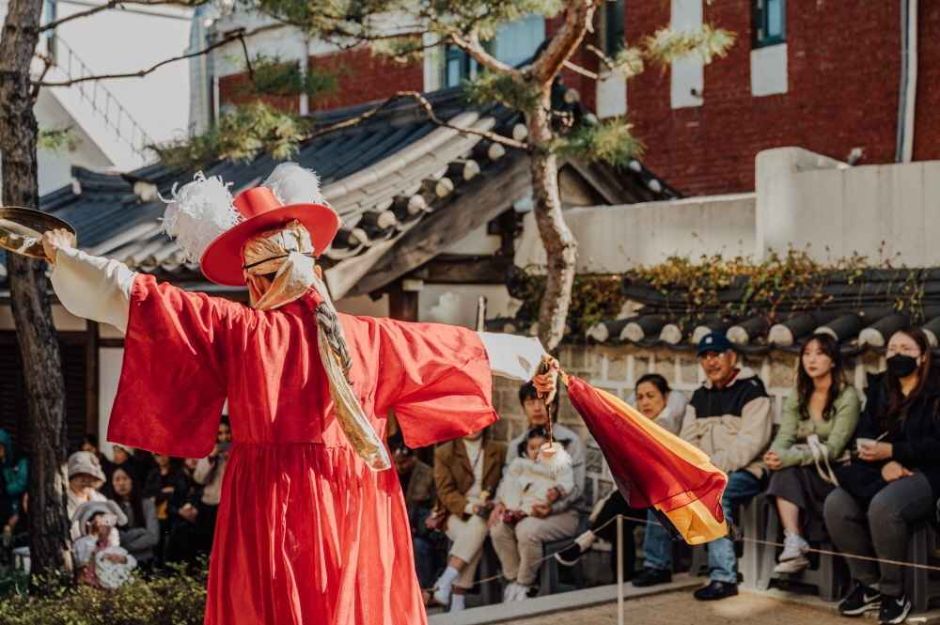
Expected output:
(306, 533)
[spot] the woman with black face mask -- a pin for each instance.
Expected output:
(893, 479)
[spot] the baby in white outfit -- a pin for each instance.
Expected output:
(530, 477)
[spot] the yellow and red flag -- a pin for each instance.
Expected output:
(652, 467)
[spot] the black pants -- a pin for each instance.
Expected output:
(879, 529)
(605, 526)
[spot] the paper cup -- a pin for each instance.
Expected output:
(862, 442)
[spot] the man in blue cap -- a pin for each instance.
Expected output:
(729, 418)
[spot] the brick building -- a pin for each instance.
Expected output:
(826, 76)
(832, 77)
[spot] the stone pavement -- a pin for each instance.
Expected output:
(679, 608)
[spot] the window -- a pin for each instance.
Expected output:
(49, 13)
(458, 66)
(769, 22)
(514, 44)
(613, 27)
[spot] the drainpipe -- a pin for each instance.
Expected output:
(907, 97)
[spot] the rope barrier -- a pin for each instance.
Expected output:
(758, 541)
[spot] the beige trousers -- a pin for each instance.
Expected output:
(468, 537)
(519, 547)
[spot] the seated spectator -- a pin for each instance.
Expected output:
(141, 532)
(208, 474)
(183, 543)
(894, 482)
(100, 561)
(90, 443)
(728, 418)
(819, 418)
(162, 481)
(123, 458)
(417, 483)
(85, 478)
(655, 400)
(519, 546)
(13, 478)
(466, 474)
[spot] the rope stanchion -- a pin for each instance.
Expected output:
(619, 570)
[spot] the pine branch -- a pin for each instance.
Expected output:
(235, 36)
(495, 137)
(113, 4)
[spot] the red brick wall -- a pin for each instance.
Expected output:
(237, 89)
(364, 77)
(843, 72)
(361, 77)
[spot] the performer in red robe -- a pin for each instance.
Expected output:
(310, 530)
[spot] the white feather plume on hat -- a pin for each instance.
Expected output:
(198, 212)
(293, 184)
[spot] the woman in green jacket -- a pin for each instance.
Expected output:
(818, 420)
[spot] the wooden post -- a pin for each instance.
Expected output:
(92, 375)
(402, 303)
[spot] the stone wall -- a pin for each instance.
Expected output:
(616, 368)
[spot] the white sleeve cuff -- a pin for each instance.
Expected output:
(511, 356)
(92, 287)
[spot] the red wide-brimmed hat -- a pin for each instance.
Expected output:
(260, 210)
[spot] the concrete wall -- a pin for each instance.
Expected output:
(885, 212)
(614, 238)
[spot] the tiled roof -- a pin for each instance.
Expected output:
(861, 313)
(382, 176)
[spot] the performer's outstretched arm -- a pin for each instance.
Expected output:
(89, 286)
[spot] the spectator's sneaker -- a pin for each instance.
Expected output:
(792, 566)
(894, 610)
(860, 599)
(442, 596)
(793, 547)
(570, 555)
(509, 591)
(716, 590)
(652, 577)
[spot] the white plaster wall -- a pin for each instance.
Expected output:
(769, 70)
(611, 95)
(612, 239)
(687, 75)
(109, 372)
(457, 303)
(55, 166)
(833, 210)
(122, 41)
(476, 242)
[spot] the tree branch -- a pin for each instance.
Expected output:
(475, 50)
(495, 137)
(578, 19)
(113, 4)
(47, 63)
(234, 36)
(577, 69)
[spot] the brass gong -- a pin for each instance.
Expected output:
(21, 230)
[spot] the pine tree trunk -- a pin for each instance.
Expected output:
(560, 246)
(39, 347)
